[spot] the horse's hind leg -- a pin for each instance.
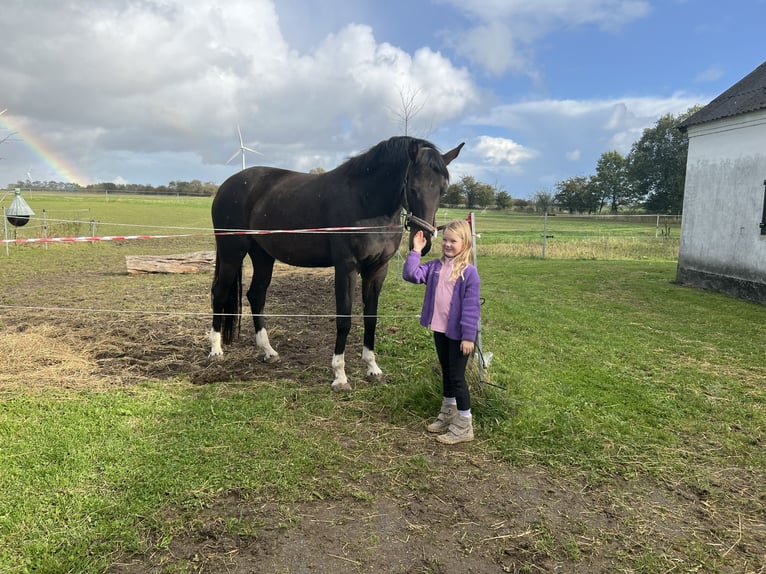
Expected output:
(225, 295)
(263, 267)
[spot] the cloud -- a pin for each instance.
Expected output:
(502, 32)
(499, 151)
(565, 137)
(177, 76)
(712, 74)
(618, 121)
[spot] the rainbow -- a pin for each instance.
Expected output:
(40, 148)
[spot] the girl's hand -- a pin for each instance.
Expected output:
(418, 241)
(466, 347)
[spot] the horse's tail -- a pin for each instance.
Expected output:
(232, 305)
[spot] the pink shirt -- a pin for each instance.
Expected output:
(443, 299)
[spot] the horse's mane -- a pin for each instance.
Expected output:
(394, 150)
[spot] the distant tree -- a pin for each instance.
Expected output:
(410, 107)
(469, 192)
(476, 194)
(485, 196)
(503, 200)
(193, 187)
(211, 187)
(612, 184)
(454, 197)
(317, 170)
(543, 200)
(657, 164)
(574, 194)
(521, 204)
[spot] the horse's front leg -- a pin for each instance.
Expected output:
(263, 268)
(372, 283)
(345, 282)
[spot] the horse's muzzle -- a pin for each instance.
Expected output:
(415, 224)
(426, 234)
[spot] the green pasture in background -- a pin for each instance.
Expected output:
(501, 233)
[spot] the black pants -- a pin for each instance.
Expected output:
(453, 363)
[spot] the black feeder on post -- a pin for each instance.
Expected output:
(19, 212)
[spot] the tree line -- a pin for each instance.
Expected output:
(193, 188)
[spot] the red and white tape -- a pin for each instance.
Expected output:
(86, 239)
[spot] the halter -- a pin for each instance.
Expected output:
(422, 223)
(409, 218)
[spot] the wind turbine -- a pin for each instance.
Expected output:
(242, 149)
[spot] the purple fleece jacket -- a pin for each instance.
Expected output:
(463, 318)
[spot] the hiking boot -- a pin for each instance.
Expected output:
(446, 416)
(461, 430)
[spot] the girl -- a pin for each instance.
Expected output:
(451, 310)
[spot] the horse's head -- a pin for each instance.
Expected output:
(426, 183)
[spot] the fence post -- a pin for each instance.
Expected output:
(483, 360)
(5, 233)
(545, 231)
(45, 228)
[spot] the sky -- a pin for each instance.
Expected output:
(152, 91)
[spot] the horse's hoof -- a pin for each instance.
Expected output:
(378, 379)
(271, 359)
(341, 387)
(215, 356)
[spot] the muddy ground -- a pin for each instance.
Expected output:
(467, 512)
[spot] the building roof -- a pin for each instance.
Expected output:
(747, 95)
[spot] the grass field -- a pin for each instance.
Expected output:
(639, 399)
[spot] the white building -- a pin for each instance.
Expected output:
(723, 233)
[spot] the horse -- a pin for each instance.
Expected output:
(349, 218)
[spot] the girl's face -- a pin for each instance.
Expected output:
(452, 244)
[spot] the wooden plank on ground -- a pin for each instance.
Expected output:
(181, 263)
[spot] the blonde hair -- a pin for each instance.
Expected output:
(462, 229)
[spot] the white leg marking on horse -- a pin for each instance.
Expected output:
(216, 350)
(262, 342)
(373, 370)
(339, 370)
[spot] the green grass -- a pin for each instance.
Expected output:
(83, 475)
(604, 369)
(610, 366)
(573, 237)
(85, 215)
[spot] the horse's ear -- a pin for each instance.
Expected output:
(452, 154)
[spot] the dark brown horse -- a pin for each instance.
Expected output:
(366, 193)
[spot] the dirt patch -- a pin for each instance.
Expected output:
(100, 336)
(473, 518)
(466, 512)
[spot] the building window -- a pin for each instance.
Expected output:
(763, 216)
